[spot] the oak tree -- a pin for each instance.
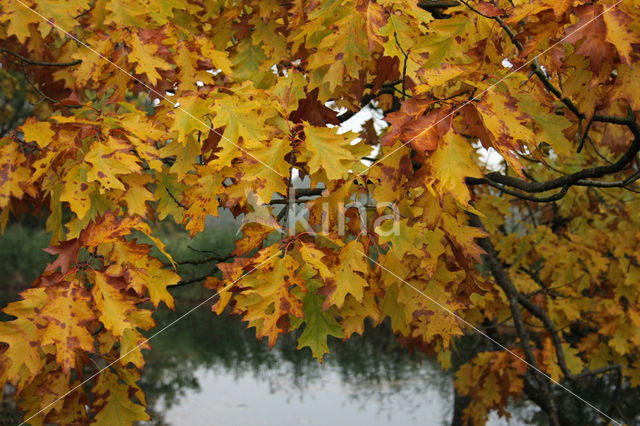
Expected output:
(150, 111)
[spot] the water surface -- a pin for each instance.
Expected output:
(212, 370)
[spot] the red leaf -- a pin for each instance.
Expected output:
(488, 9)
(67, 251)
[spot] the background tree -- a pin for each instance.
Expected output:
(146, 112)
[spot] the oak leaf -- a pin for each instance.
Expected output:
(327, 150)
(37, 131)
(319, 325)
(349, 277)
(67, 314)
(144, 54)
(117, 408)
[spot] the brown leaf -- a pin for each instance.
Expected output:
(488, 9)
(67, 251)
(387, 69)
(425, 132)
(313, 111)
(589, 34)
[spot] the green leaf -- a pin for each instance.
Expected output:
(318, 325)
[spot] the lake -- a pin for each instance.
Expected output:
(209, 369)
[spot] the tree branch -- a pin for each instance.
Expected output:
(526, 197)
(612, 119)
(535, 65)
(386, 89)
(617, 184)
(41, 63)
(437, 7)
(542, 316)
(213, 258)
(504, 282)
(597, 371)
(501, 181)
(404, 68)
(583, 136)
(42, 94)
(191, 280)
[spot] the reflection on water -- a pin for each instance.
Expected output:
(247, 400)
(208, 367)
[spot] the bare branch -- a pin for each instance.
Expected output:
(502, 182)
(214, 258)
(41, 63)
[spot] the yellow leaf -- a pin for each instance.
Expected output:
(77, 190)
(109, 160)
(142, 271)
(220, 58)
(117, 409)
(63, 14)
(12, 173)
(375, 18)
(276, 293)
(147, 62)
(22, 337)
(114, 307)
(37, 131)
(19, 18)
(239, 119)
(353, 314)
(189, 117)
(349, 275)
(390, 307)
(202, 197)
(137, 195)
(447, 41)
(403, 238)
(67, 315)
(628, 85)
(503, 121)
(185, 155)
(313, 257)
(110, 228)
(169, 192)
(327, 150)
(452, 162)
(620, 33)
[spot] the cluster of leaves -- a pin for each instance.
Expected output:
(109, 152)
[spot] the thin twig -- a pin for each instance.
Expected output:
(404, 68)
(41, 63)
(582, 136)
(44, 95)
(175, 199)
(214, 258)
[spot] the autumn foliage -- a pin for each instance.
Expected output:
(172, 110)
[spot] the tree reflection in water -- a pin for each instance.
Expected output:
(373, 368)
